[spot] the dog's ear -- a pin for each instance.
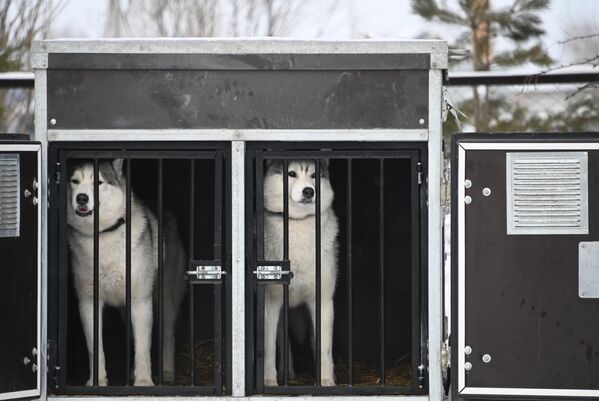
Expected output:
(117, 165)
(274, 165)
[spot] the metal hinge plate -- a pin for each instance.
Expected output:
(420, 173)
(205, 271)
(273, 271)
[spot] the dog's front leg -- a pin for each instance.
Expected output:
(86, 311)
(142, 337)
(327, 375)
(272, 310)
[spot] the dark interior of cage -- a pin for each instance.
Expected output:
(368, 333)
(176, 200)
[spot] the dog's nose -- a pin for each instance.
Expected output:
(82, 199)
(308, 192)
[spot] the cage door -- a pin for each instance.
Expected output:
(20, 233)
(525, 251)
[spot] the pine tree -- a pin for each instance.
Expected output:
(519, 24)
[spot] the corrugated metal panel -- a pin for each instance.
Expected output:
(547, 193)
(9, 195)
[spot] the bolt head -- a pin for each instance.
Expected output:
(467, 350)
(486, 358)
(486, 191)
(421, 121)
(467, 200)
(53, 121)
(467, 184)
(468, 366)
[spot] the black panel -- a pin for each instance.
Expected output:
(109, 99)
(239, 61)
(522, 304)
(18, 290)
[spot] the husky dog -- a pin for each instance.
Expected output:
(301, 176)
(112, 270)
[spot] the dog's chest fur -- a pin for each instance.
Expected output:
(302, 252)
(112, 266)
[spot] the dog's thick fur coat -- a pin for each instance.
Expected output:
(112, 270)
(302, 255)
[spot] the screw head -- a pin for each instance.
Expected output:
(467, 350)
(421, 121)
(468, 366)
(467, 184)
(486, 358)
(467, 199)
(486, 191)
(53, 121)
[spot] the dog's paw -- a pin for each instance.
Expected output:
(144, 381)
(327, 382)
(101, 382)
(270, 382)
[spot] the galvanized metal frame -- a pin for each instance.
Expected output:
(65, 151)
(40, 321)
(520, 143)
(432, 135)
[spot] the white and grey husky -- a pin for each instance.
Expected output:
(112, 271)
(302, 250)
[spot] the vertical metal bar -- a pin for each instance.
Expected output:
(96, 271)
(350, 323)
(63, 279)
(285, 286)
(260, 289)
(238, 266)
(191, 286)
(218, 288)
(160, 208)
(317, 325)
(128, 273)
(382, 269)
(218, 337)
(218, 214)
(435, 250)
(416, 280)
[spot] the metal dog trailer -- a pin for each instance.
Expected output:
(192, 117)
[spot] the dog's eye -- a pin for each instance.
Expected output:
(75, 181)
(100, 182)
(292, 174)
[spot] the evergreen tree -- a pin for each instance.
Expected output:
(518, 24)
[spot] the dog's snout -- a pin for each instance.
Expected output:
(308, 192)
(82, 199)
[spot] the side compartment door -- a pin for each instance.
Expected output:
(20, 247)
(525, 266)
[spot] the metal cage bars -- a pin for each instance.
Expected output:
(95, 156)
(349, 155)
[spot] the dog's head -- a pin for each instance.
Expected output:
(82, 205)
(301, 178)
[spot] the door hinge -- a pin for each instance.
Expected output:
(420, 173)
(52, 361)
(57, 173)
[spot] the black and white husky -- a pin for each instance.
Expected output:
(112, 271)
(301, 176)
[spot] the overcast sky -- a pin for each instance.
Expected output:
(375, 18)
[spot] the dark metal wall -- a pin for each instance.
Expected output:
(18, 291)
(522, 304)
(246, 91)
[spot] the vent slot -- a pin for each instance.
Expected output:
(547, 193)
(9, 195)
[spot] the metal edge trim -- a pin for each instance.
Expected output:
(405, 135)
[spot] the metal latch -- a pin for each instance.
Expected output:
(205, 271)
(273, 271)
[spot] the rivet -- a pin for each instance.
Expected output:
(53, 121)
(467, 200)
(486, 358)
(467, 184)
(467, 350)
(486, 191)
(421, 121)
(468, 366)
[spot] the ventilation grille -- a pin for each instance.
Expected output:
(547, 193)
(9, 195)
